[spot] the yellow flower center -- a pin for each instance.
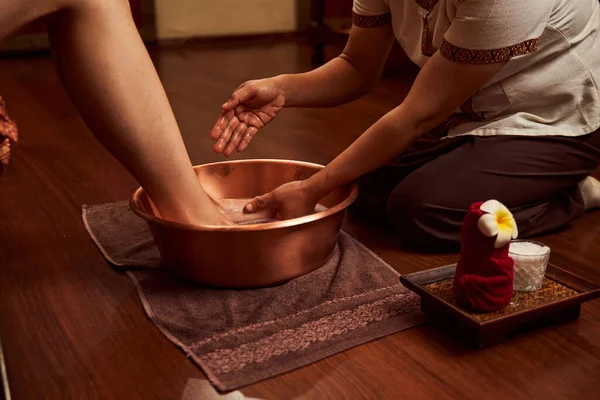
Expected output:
(504, 220)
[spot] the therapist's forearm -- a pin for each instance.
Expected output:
(381, 143)
(337, 82)
(441, 86)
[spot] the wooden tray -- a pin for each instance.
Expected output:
(558, 301)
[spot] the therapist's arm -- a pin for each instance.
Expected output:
(352, 74)
(440, 87)
(256, 103)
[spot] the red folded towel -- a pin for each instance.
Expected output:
(484, 274)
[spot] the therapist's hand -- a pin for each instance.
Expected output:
(251, 106)
(292, 200)
(233, 210)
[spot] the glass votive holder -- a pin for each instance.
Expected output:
(531, 260)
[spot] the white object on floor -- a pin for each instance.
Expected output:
(590, 191)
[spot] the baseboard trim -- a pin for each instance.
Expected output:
(231, 39)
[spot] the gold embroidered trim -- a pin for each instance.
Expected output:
(459, 54)
(371, 21)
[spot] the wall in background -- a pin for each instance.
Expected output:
(180, 19)
(193, 18)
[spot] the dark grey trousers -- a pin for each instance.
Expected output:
(427, 191)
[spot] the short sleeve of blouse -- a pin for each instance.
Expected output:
(489, 31)
(370, 13)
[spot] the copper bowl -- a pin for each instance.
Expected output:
(248, 256)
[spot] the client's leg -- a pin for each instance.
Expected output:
(110, 77)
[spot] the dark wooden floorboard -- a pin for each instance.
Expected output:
(72, 327)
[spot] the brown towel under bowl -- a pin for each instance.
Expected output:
(239, 337)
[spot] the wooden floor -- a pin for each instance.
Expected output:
(72, 327)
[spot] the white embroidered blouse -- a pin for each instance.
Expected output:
(550, 85)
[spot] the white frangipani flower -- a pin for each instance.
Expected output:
(497, 221)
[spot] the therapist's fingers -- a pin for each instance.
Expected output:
(236, 138)
(252, 118)
(260, 203)
(250, 132)
(221, 124)
(228, 132)
(223, 140)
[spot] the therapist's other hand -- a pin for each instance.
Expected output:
(233, 210)
(291, 200)
(251, 106)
